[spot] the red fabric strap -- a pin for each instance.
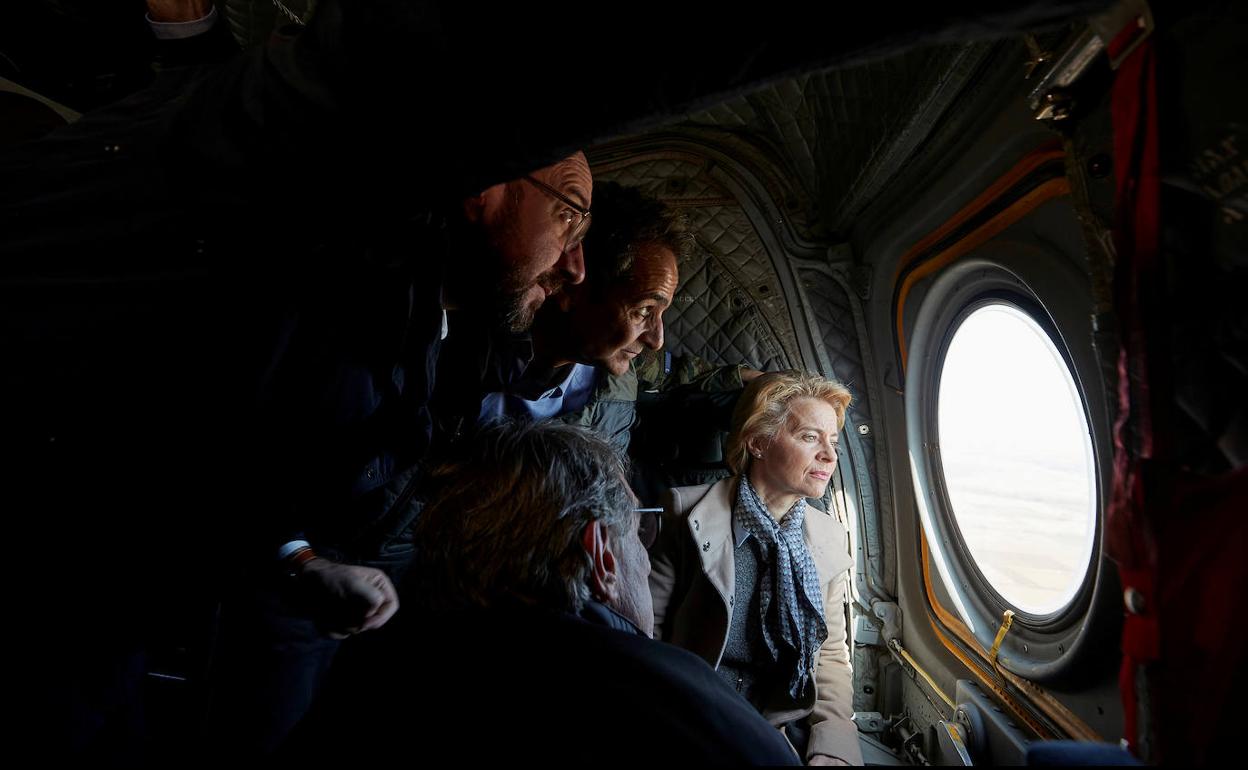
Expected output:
(1130, 534)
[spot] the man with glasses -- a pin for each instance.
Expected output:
(527, 221)
(518, 250)
(352, 491)
(591, 332)
(242, 361)
(596, 344)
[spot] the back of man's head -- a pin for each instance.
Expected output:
(506, 525)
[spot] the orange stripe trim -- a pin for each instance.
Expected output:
(963, 633)
(1050, 151)
(1053, 188)
(990, 675)
(1064, 718)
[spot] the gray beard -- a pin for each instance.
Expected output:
(514, 315)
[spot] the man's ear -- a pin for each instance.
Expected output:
(476, 206)
(604, 578)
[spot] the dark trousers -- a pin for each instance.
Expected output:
(274, 658)
(272, 661)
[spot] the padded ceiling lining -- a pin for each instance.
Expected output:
(838, 134)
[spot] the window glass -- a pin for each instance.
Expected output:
(1017, 458)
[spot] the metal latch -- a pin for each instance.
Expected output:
(1118, 31)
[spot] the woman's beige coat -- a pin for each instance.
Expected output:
(693, 582)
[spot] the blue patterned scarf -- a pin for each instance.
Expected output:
(789, 602)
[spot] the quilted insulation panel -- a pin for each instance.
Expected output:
(728, 307)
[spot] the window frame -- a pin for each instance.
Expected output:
(1076, 605)
(1045, 648)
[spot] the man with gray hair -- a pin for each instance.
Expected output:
(528, 635)
(536, 515)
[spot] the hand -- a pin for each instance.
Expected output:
(169, 11)
(824, 759)
(748, 374)
(347, 599)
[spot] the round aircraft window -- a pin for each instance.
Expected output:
(1017, 458)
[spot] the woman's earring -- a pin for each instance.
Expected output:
(758, 455)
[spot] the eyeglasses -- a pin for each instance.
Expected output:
(648, 526)
(575, 217)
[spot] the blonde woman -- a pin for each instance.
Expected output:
(749, 576)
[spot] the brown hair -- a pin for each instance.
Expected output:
(626, 223)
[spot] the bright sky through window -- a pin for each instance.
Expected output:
(1017, 458)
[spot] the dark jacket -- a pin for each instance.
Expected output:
(477, 361)
(611, 410)
(534, 687)
(166, 261)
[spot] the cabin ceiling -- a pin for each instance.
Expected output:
(839, 136)
(820, 148)
(783, 173)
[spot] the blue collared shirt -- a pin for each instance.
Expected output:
(570, 394)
